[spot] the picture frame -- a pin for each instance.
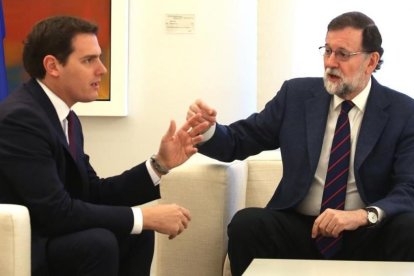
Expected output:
(117, 104)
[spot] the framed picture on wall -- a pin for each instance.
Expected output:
(112, 18)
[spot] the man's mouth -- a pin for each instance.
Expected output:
(333, 77)
(95, 84)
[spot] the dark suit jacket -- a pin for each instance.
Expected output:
(63, 196)
(295, 120)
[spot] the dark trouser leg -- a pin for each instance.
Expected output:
(99, 252)
(391, 241)
(398, 237)
(89, 252)
(136, 254)
(263, 233)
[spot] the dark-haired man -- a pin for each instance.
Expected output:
(81, 224)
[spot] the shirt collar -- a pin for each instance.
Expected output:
(360, 100)
(60, 106)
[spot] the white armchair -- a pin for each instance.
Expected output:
(15, 243)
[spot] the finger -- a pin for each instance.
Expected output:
(190, 151)
(175, 232)
(197, 139)
(192, 110)
(184, 224)
(194, 120)
(210, 119)
(189, 114)
(336, 231)
(205, 108)
(171, 129)
(208, 113)
(315, 227)
(195, 107)
(315, 231)
(186, 213)
(200, 128)
(191, 122)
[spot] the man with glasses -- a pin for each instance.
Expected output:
(347, 145)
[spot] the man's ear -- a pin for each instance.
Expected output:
(373, 61)
(51, 65)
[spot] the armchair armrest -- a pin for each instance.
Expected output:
(213, 191)
(15, 240)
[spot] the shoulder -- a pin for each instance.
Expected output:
(391, 98)
(19, 102)
(21, 110)
(303, 88)
(305, 82)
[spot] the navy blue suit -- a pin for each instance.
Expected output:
(294, 121)
(63, 196)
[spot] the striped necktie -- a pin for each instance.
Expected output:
(336, 177)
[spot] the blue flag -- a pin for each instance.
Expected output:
(3, 75)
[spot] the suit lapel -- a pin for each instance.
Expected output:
(317, 109)
(373, 123)
(41, 98)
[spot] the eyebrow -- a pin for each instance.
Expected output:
(339, 48)
(90, 57)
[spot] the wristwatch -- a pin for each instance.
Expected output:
(157, 166)
(372, 216)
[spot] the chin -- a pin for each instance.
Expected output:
(88, 100)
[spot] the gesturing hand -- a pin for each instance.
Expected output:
(208, 114)
(178, 147)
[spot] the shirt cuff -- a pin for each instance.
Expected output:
(208, 134)
(154, 176)
(138, 221)
(381, 213)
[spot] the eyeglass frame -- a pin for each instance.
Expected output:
(340, 54)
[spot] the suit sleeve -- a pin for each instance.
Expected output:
(243, 138)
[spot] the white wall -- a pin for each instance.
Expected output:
(274, 36)
(167, 72)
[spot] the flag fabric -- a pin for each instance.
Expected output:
(3, 75)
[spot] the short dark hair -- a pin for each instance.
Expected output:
(371, 36)
(52, 36)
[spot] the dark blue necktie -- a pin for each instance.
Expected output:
(336, 177)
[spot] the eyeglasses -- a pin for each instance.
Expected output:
(340, 54)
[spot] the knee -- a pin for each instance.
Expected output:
(101, 243)
(403, 227)
(399, 238)
(244, 221)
